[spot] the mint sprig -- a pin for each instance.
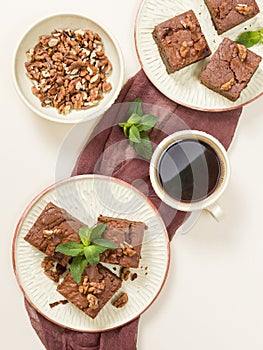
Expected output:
(136, 126)
(86, 252)
(250, 38)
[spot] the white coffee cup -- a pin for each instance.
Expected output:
(207, 202)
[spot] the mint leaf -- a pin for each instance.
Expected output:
(134, 119)
(77, 267)
(135, 127)
(105, 243)
(134, 134)
(135, 107)
(70, 248)
(144, 148)
(92, 254)
(84, 234)
(250, 38)
(125, 127)
(97, 231)
(126, 130)
(147, 122)
(86, 253)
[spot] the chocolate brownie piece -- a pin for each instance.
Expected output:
(180, 41)
(128, 236)
(97, 286)
(54, 226)
(229, 13)
(230, 69)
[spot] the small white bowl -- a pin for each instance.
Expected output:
(63, 21)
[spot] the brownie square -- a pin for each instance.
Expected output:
(97, 286)
(229, 13)
(180, 41)
(128, 236)
(54, 226)
(230, 69)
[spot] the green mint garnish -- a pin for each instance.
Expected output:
(86, 252)
(136, 126)
(250, 38)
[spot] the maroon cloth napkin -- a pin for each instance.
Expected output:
(107, 152)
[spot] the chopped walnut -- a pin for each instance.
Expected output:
(51, 233)
(121, 300)
(184, 49)
(244, 9)
(215, 11)
(124, 273)
(127, 249)
(93, 301)
(242, 52)
(69, 70)
(188, 24)
(48, 233)
(83, 288)
(227, 86)
(134, 276)
(52, 268)
(90, 287)
(200, 44)
(96, 288)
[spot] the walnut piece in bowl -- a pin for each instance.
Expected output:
(68, 68)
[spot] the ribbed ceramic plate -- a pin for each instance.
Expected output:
(86, 197)
(184, 86)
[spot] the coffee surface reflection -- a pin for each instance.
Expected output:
(189, 170)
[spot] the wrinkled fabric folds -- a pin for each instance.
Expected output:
(107, 152)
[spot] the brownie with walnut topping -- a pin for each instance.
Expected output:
(128, 237)
(230, 69)
(54, 226)
(229, 13)
(97, 286)
(180, 41)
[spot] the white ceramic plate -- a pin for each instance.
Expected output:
(184, 86)
(86, 197)
(63, 21)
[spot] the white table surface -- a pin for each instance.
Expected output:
(212, 298)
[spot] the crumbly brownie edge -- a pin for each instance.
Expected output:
(219, 91)
(228, 93)
(213, 18)
(71, 289)
(35, 235)
(228, 27)
(162, 53)
(133, 252)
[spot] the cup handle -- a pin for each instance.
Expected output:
(215, 210)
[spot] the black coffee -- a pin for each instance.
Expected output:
(189, 170)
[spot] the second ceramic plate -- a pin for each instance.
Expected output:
(184, 86)
(86, 197)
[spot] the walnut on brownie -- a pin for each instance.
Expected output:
(52, 268)
(180, 41)
(230, 69)
(128, 236)
(97, 286)
(229, 13)
(54, 226)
